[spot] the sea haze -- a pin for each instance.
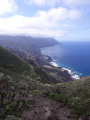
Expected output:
(74, 56)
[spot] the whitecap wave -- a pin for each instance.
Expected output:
(54, 64)
(73, 74)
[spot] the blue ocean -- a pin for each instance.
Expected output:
(73, 56)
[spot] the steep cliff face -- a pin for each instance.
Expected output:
(30, 45)
(26, 43)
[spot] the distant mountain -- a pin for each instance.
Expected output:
(31, 45)
(26, 42)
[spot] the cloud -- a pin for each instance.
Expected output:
(56, 14)
(7, 6)
(43, 2)
(49, 24)
(76, 3)
(68, 3)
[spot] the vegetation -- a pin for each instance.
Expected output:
(13, 63)
(75, 95)
(12, 101)
(43, 76)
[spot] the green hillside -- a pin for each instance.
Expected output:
(16, 76)
(75, 95)
(13, 63)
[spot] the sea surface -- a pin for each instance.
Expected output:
(72, 56)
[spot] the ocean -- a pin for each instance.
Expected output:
(72, 56)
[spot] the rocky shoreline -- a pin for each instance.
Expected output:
(54, 63)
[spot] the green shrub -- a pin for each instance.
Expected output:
(35, 91)
(53, 96)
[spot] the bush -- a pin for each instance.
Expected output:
(53, 96)
(11, 117)
(1, 76)
(35, 91)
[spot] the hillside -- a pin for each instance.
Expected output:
(50, 100)
(12, 63)
(25, 94)
(75, 95)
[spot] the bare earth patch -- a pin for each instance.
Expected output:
(42, 108)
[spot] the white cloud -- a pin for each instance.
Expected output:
(56, 14)
(43, 2)
(68, 3)
(47, 24)
(76, 3)
(7, 6)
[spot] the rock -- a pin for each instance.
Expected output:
(30, 97)
(47, 112)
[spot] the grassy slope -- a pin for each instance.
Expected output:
(12, 64)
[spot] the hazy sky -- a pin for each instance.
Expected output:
(61, 19)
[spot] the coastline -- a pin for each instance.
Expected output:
(73, 75)
(53, 62)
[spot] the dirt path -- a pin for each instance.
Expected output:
(46, 109)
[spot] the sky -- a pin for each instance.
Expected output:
(61, 19)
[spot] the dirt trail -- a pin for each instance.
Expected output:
(46, 109)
